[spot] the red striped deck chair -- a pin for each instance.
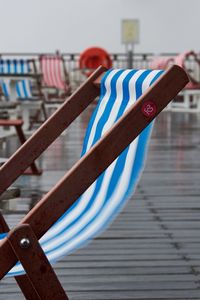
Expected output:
(190, 97)
(92, 193)
(190, 62)
(55, 79)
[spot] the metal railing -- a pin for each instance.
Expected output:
(120, 60)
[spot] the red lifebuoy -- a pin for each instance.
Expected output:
(93, 57)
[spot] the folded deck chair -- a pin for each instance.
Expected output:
(55, 78)
(94, 191)
(27, 95)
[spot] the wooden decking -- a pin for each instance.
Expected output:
(152, 250)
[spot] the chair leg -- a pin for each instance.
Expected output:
(36, 117)
(23, 281)
(33, 168)
(44, 111)
(29, 252)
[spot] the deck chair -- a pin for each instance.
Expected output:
(94, 191)
(191, 94)
(55, 78)
(25, 94)
(16, 66)
(28, 92)
(190, 62)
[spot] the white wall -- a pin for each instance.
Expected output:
(73, 25)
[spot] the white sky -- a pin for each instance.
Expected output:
(73, 25)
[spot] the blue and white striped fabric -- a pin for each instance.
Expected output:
(106, 197)
(14, 66)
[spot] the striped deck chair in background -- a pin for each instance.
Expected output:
(185, 60)
(55, 78)
(190, 96)
(88, 198)
(25, 101)
(15, 66)
(28, 91)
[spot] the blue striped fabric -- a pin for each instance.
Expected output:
(106, 197)
(14, 66)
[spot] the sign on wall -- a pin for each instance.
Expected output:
(130, 31)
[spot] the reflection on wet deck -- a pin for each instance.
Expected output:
(152, 250)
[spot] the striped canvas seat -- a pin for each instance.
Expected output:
(105, 198)
(54, 74)
(16, 66)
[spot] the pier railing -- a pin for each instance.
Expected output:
(120, 60)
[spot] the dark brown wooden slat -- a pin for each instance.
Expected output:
(23, 281)
(36, 265)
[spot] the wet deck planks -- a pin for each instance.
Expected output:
(152, 250)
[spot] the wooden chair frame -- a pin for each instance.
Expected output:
(22, 242)
(36, 92)
(18, 123)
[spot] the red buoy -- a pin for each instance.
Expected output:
(92, 58)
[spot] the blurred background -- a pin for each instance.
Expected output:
(49, 48)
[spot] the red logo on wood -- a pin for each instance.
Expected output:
(149, 109)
